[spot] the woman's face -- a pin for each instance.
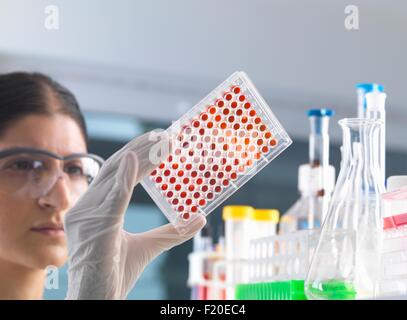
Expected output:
(21, 215)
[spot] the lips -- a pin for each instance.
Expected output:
(49, 229)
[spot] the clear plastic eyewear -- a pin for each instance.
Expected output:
(34, 171)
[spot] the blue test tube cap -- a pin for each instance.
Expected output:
(320, 113)
(370, 87)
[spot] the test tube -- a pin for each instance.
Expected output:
(236, 245)
(395, 203)
(362, 89)
(202, 242)
(395, 209)
(263, 223)
(319, 162)
(375, 109)
(396, 182)
(319, 138)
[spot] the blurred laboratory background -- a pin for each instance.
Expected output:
(139, 65)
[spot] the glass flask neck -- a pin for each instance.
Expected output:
(361, 140)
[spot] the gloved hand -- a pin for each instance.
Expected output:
(104, 260)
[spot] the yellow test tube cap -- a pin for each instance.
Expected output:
(237, 212)
(271, 215)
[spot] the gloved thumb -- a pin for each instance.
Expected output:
(158, 240)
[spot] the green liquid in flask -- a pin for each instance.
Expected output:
(334, 290)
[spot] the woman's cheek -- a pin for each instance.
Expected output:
(14, 221)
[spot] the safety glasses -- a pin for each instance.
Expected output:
(34, 171)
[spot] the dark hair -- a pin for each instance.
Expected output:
(24, 93)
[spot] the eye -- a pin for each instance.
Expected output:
(74, 170)
(24, 165)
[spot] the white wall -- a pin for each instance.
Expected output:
(155, 58)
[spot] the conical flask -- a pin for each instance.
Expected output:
(345, 264)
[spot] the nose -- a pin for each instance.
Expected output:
(58, 197)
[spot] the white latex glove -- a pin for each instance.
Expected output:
(104, 260)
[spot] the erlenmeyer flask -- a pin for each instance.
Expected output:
(345, 264)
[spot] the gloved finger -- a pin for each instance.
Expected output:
(163, 238)
(144, 247)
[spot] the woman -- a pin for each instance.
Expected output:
(46, 204)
